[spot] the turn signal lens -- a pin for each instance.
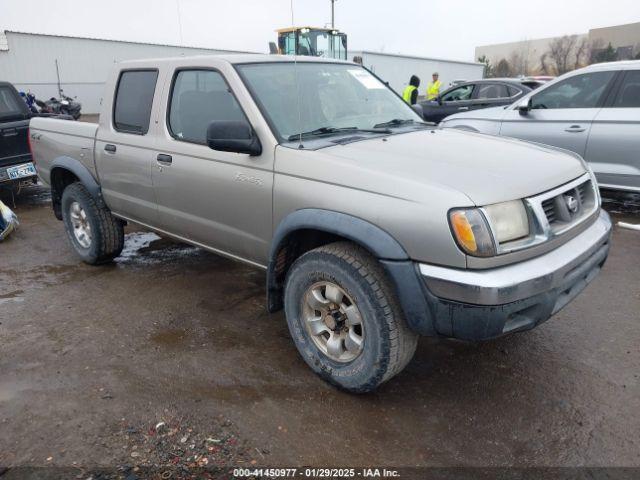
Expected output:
(472, 233)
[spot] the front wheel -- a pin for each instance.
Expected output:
(345, 319)
(95, 234)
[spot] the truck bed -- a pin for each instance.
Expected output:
(53, 138)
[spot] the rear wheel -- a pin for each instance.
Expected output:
(95, 234)
(345, 319)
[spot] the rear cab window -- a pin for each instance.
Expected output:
(11, 105)
(134, 100)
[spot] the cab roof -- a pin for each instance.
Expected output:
(234, 59)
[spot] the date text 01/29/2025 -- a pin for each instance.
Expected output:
(316, 472)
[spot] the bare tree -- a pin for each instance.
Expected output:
(582, 53)
(503, 69)
(517, 63)
(561, 51)
(545, 68)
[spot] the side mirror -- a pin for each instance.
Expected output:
(439, 100)
(233, 136)
(524, 106)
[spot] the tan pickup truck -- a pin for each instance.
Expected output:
(373, 227)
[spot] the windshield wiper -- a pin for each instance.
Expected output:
(396, 122)
(330, 130)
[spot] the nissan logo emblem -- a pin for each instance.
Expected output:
(572, 203)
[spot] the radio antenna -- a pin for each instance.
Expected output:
(295, 69)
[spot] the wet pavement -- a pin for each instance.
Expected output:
(170, 333)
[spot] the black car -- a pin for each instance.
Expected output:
(491, 92)
(16, 165)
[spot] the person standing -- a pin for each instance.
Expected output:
(433, 89)
(410, 94)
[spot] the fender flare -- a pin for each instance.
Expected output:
(81, 172)
(381, 244)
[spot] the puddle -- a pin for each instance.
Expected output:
(170, 338)
(147, 248)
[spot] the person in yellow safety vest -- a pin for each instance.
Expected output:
(433, 89)
(410, 94)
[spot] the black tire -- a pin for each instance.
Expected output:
(388, 344)
(107, 232)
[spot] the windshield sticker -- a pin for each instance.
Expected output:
(366, 79)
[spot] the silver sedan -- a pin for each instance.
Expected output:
(594, 111)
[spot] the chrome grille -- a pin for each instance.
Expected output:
(555, 212)
(549, 208)
(568, 206)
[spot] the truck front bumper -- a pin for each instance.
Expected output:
(485, 304)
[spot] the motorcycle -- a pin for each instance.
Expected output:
(30, 99)
(63, 106)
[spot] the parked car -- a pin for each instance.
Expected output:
(473, 96)
(535, 81)
(594, 112)
(373, 227)
(16, 166)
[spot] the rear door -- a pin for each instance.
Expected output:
(124, 147)
(14, 125)
(614, 144)
(488, 95)
(562, 114)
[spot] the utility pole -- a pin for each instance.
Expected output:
(333, 16)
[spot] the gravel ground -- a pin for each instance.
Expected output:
(113, 367)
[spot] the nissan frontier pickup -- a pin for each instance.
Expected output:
(373, 227)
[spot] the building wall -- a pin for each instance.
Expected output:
(29, 63)
(397, 69)
(620, 36)
(530, 51)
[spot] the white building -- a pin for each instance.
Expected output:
(397, 69)
(35, 63)
(29, 62)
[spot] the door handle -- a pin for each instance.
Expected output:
(463, 108)
(575, 129)
(164, 158)
(110, 148)
(10, 133)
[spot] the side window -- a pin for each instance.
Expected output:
(492, 91)
(513, 91)
(462, 93)
(198, 98)
(134, 99)
(581, 91)
(629, 94)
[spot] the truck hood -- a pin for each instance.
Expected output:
(484, 168)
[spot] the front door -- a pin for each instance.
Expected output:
(454, 101)
(562, 114)
(220, 200)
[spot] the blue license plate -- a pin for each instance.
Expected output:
(21, 171)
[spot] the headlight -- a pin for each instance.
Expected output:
(509, 220)
(478, 232)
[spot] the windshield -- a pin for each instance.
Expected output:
(331, 96)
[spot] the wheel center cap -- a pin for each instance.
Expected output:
(330, 322)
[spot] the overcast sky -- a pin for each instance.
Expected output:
(445, 29)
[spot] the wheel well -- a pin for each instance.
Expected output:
(61, 178)
(294, 245)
